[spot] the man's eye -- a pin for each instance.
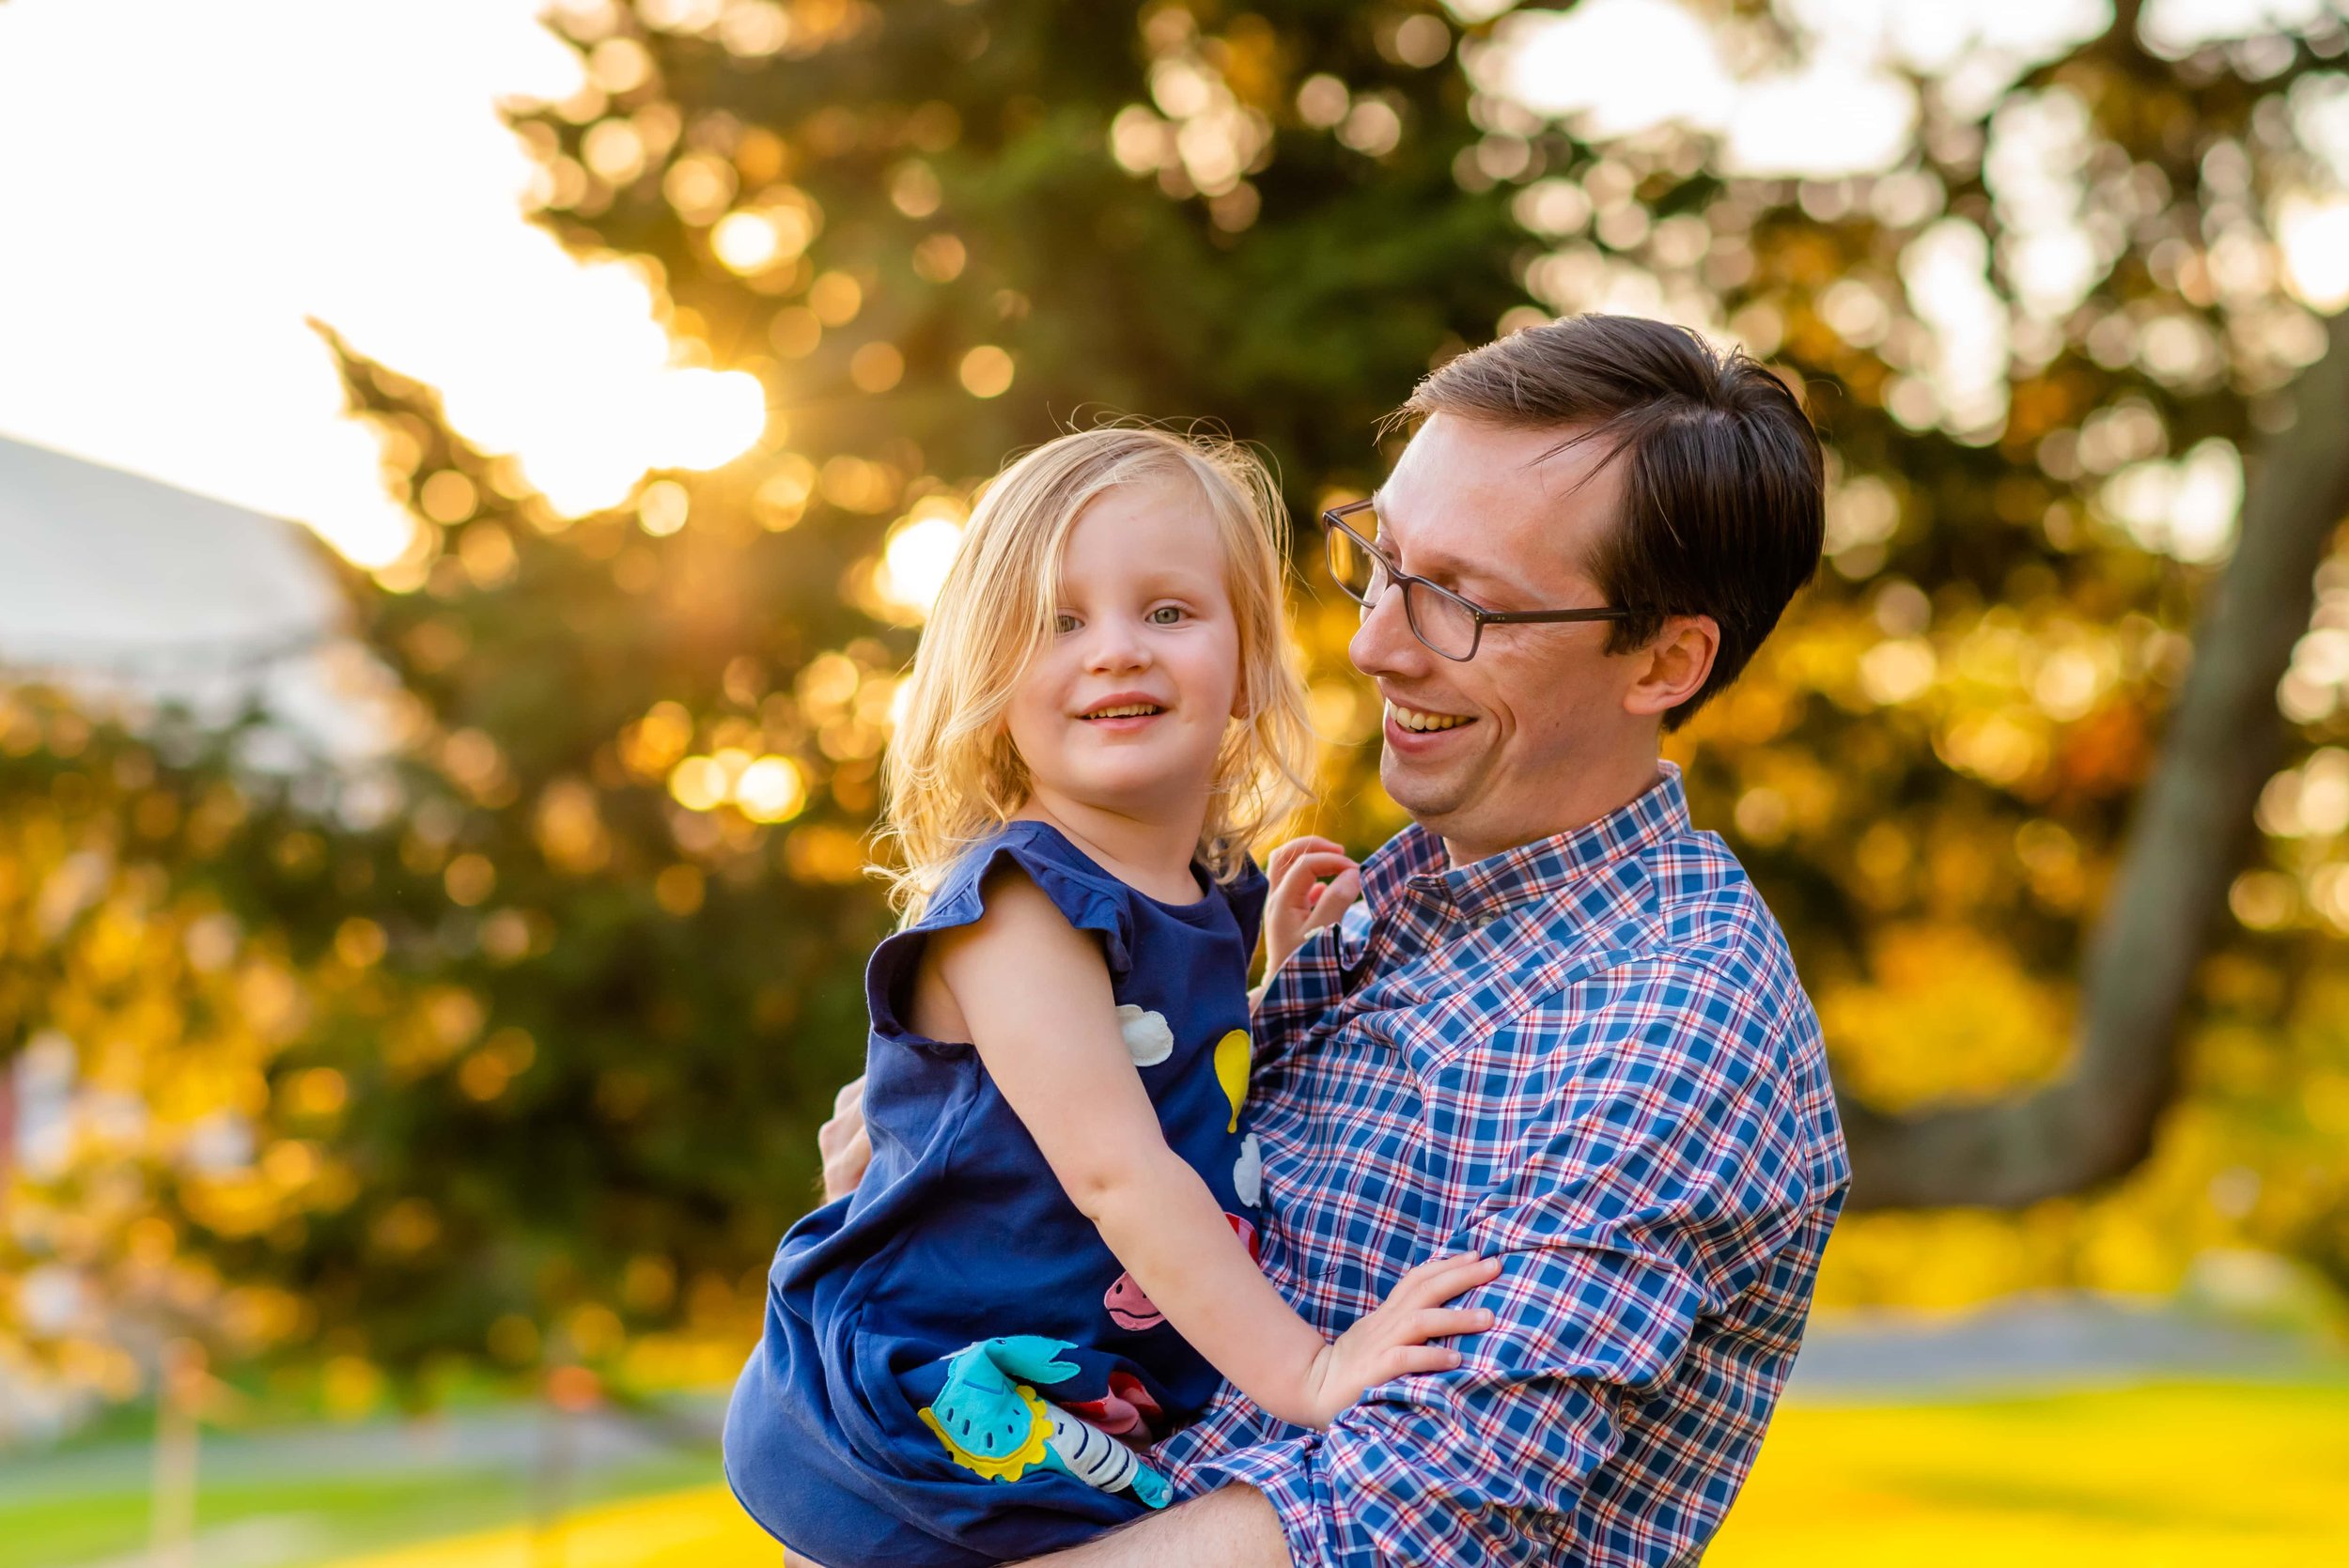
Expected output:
(1166, 614)
(1064, 623)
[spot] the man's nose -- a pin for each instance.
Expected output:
(1385, 643)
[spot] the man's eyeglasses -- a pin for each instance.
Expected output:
(1448, 623)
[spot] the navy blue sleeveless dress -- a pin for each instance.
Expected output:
(955, 1371)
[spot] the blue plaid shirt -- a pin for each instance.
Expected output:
(1590, 1056)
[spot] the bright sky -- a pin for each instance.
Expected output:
(1621, 65)
(186, 182)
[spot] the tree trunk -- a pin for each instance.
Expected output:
(2188, 838)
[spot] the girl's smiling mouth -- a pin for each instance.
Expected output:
(1122, 708)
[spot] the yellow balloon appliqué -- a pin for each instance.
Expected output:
(1231, 1070)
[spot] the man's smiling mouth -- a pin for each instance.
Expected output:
(1423, 723)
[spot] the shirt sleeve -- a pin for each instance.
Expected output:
(1668, 1178)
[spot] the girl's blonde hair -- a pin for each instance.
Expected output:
(952, 775)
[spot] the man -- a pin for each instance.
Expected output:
(1560, 1027)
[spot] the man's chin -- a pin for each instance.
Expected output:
(1430, 795)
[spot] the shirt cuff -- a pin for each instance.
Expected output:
(1288, 1471)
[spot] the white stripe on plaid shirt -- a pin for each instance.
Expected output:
(1592, 1057)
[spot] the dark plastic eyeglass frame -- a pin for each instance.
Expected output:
(1333, 522)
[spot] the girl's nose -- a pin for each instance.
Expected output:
(1115, 645)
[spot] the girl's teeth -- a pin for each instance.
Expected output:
(1136, 711)
(1424, 723)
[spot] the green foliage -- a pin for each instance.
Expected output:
(579, 970)
(687, 978)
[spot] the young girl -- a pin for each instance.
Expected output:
(1050, 1259)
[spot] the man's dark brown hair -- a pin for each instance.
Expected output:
(1722, 501)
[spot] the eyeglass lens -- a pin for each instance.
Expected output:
(1439, 620)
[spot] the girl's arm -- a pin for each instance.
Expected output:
(1299, 901)
(1035, 995)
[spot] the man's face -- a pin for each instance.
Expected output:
(1477, 507)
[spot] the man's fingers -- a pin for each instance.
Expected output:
(841, 1144)
(836, 1131)
(851, 1096)
(837, 1134)
(845, 1168)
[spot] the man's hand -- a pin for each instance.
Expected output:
(842, 1142)
(1313, 879)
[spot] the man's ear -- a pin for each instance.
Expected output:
(1677, 662)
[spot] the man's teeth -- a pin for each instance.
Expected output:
(1131, 710)
(1411, 719)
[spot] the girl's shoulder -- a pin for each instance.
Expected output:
(1087, 896)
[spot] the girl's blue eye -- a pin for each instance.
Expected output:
(1064, 623)
(1166, 614)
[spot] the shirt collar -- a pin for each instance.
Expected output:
(1414, 861)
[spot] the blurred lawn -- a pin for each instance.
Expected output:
(309, 1519)
(2200, 1473)
(2136, 1478)
(2196, 1473)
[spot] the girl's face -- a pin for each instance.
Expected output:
(1124, 706)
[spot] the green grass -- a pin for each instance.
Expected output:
(318, 1518)
(2176, 1473)
(2184, 1472)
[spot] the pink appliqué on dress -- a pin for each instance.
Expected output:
(1126, 1411)
(1130, 1308)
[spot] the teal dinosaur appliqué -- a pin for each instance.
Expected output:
(995, 1425)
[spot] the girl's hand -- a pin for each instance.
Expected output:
(1391, 1341)
(1313, 879)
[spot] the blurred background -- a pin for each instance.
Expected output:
(471, 475)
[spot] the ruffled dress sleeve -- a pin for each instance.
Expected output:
(1089, 901)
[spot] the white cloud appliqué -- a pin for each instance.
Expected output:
(1149, 1040)
(1247, 1172)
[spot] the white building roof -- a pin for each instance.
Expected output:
(104, 573)
(117, 586)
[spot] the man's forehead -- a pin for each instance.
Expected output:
(1475, 490)
(1546, 462)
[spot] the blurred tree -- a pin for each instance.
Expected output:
(2072, 268)
(624, 875)
(159, 911)
(581, 960)
(2075, 268)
